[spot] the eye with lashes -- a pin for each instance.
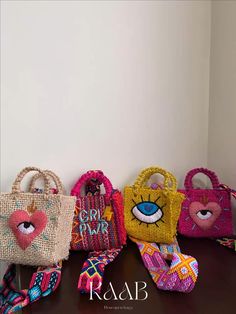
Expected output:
(204, 214)
(148, 212)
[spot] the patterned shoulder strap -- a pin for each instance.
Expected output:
(182, 273)
(43, 282)
(91, 276)
(228, 242)
(226, 187)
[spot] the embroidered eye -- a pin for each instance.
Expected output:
(147, 212)
(204, 214)
(26, 227)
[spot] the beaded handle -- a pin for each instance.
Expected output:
(50, 174)
(93, 174)
(20, 176)
(145, 175)
(188, 183)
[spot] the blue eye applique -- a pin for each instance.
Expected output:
(148, 212)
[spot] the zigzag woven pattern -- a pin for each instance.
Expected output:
(99, 218)
(92, 272)
(43, 283)
(181, 275)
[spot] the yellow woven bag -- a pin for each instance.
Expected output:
(152, 214)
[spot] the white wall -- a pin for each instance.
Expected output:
(222, 122)
(106, 85)
(222, 114)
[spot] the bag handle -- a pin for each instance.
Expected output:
(20, 176)
(210, 174)
(50, 174)
(146, 173)
(93, 174)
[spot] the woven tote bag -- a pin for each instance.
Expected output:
(99, 218)
(35, 228)
(43, 282)
(152, 214)
(98, 227)
(205, 212)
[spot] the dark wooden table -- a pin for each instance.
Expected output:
(215, 291)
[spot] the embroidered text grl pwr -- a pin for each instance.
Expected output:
(86, 217)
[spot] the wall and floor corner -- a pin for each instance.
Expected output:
(117, 86)
(222, 113)
(222, 106)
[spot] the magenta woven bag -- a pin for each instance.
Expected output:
(99, 218)
(205, 212)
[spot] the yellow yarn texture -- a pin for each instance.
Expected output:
(152, 214)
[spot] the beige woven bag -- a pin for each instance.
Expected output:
(35, 228)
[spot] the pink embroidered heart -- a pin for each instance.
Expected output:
(204, 216)
(25, 227)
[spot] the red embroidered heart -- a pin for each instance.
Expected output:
(204, 216)
(25, 227)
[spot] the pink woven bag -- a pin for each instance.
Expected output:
(98, 226)
(205, 212)
(99, 219)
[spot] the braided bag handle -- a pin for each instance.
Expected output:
(50, 174)
(93, 174)
(210, 174)
(20, 176)
(146, 173)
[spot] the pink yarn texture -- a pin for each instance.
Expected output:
(205, 212)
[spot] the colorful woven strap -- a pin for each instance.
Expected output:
(43, 282)
(226, 187)
(93, 269)
(182, 273)
(169, 249)
(230, 243)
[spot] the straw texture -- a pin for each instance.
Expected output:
(24, 236)
(51, 175)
